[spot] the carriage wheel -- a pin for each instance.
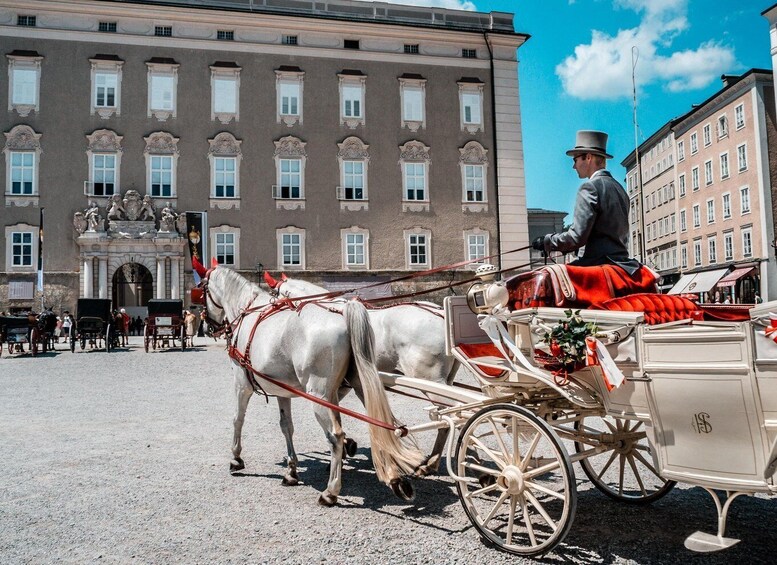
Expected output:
(183, 338)
(146, 339)
(34, 341)
(520, 494)
(625, 471)
(83, 343)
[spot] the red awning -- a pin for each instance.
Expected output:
(732, 278)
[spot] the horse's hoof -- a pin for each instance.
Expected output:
(350, 447)
(402, 488)
(290, 481)
(423, 471)
(327, 499)
(486, 480)
(236, 464)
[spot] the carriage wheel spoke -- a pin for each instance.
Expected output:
(486, 470)
(505, 455)
(516, 447)
(546, 490)
(613, 455)
(527, 521)
(621, 469)
(542, 470)
(483, 490)
(511, 520)
(614, 429)
(494, 510)
(637, 475)
(541, 509)
(647, 464)
(490, 452)
(532, 446)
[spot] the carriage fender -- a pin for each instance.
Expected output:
(771, 462)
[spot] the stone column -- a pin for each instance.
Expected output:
(174, 276)
(88, 276)
(103, 277)
(160, 277)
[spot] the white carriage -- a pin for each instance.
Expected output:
(698, 405)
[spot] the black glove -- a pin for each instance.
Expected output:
(539, 243)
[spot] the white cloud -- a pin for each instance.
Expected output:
(450, 4)
(602, 68)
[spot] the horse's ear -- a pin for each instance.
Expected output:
(284, 278)
(271, 282)
(214, 263)
(198, 267)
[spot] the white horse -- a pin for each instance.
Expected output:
(409, 339)
(311, 350)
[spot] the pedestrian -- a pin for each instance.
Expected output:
(601, 218)
(125, 320)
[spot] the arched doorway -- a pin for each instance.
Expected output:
(133, 286)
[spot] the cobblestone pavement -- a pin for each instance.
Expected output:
(123, 458)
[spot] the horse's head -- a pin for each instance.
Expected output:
(210, 294)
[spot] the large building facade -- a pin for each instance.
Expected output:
(354, 140)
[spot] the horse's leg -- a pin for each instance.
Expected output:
(287, 427)
(243, 392)
(330, 422)
(350, 444)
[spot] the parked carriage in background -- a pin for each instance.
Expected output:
(164, 325)
(93, 325)
(37, 331)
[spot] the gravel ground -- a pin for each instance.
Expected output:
(123, 458)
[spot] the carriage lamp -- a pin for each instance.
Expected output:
(484, 296)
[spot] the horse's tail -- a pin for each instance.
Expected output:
(392, 456)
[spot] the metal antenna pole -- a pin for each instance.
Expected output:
(642, 241)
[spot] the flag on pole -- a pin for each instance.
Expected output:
(194, 230)
(40, 252)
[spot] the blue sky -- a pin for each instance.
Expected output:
(575, 72)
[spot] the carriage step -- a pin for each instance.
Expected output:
(703, 542)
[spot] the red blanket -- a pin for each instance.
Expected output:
(594, 285)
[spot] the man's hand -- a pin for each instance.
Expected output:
(539, 243)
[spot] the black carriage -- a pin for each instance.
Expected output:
(36, 331)
(164, 325)
(94, 325)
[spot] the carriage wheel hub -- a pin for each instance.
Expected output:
(511, 480)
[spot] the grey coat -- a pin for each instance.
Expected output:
(600, 223)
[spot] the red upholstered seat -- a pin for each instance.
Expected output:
(658, 308)
(474, 350)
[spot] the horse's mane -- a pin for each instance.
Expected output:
(238, 289)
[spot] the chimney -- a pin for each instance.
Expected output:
(728, 79)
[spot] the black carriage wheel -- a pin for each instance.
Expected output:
(625, 471)
(183, 338)
(519, 487)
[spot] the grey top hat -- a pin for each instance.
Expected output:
(593, 142)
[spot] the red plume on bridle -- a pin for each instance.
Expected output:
(214, 263)
(198, 267)
(271, 282)
(284, 278)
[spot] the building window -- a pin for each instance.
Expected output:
(695, 179)
(352, 90)
(412, 90)
(712, 250)
(673, 218)
(21, 249)
(411, 48)
(684, 257)
(469, 53)
(726, 205)
(694, 143)
(728, 245)
(22, 172)
(108, 27)
(473, 183)
(680, 151)
(414, 160)
(162, 88)
(681, 185)
(471, 104)
(474, 161)
(225, 92)
(350, 43)
(696, 216)
(163, 31)
(710, 211)
(747, 242)
(161, 162)
(103, 174)
(417, 248)
(739, 116)
(708, 172)
(683, 221)
(161, 176)
(353, 157)
(706, 135)
(291, 247)
(415, 181)
(742, 157)
(353, 180)
(355, 244)
(697, 252)
(24, 70)
(724, 165)
(744, 199)
(722, 126)
(477, 247)
(225, 156)
(290, 157)
(225, 35)
(225, 249)
(224, 177)
(22, 154)
(105, 86)
(288, 89)
(290, 40)
(27, 21)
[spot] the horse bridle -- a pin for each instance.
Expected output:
(220, 327)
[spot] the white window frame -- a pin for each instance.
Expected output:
(697, 252)
(695, 179)
(356, 81)
(683, 221)
(219, 73)
(694, 143)
(473, 154)
(24, 229)
(22, 139)
(680, 151)
(708, 172)
(696, 216)
(745, 206)
(710, 211)
(684, 256)
(742, 162)
(415, 85)
(712, 250)
(221, 168)
(469, 235)
(726, 204)
(289, 148)
(476, 122)
(415, 152)
(22, 168)
(728, 246)
(747, 242)
(681, 185)
(707, 135)
(722, 126)
(162, 144)
(353, 150)
(355, 231)
(739, 112)
(23, 63)
(224, 146)
(103, 142)
(725, 170)
(410, 240)
(284, 79)
(279, 236)
(162, 70)
(223, 230)
(106, 67)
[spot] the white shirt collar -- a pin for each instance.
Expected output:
(596, 173)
